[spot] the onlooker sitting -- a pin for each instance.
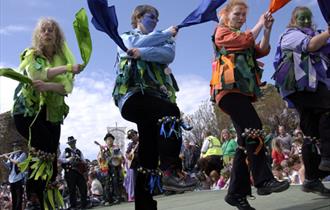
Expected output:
(96, 189)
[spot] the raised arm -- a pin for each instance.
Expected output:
(268, 23)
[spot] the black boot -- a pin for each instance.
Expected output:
(315, 186)
(239, 201)
(271, 186)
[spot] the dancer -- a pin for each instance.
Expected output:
(234, 86)
(145, 94)
(302, 74)
(51, 66)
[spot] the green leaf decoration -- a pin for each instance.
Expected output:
(45, 204)
(50, 196)
(40, 170)
(23, 166)
(81, 29)
(12, 74)
(59, 198)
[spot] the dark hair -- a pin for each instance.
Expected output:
(108, 135)
(139, 11)
(130, 132)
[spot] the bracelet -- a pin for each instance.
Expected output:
(69, 67)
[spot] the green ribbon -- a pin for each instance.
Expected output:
(12, 74)
(81, 29)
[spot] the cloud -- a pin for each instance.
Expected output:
(92, 108)
(11, 29)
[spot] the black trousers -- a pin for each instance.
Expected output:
(145, 110)
(314, 113)
(243, 115)
(16, 190)
(76, 180)
(45, 136)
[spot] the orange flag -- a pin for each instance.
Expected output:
(277, 4)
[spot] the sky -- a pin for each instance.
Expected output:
(92, 109)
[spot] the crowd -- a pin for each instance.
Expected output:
(109, 179)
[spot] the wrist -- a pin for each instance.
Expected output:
(69, 68)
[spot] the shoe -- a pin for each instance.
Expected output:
(325, 164)
(239, 201)
(87, 206)
(315, 186)
(172, 183)
(272, 186)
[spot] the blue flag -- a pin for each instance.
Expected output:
(206, 11)
(325, 9)
(105, 20)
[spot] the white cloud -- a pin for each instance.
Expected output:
(11, 29)
(92, 108)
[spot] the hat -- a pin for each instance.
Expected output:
(130, 132)
(108, 135)
(71, 139)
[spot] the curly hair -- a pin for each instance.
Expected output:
(38, 44)
(223, 14)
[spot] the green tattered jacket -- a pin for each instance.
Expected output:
(146, 77)
(28, 101)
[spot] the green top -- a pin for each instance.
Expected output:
(229, 147)
(28, 101)
(145, 77)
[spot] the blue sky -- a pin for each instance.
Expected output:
(92, 108)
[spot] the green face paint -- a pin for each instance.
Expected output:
(304, 19)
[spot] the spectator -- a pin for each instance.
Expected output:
(189, 155)
(74, 164)
(229, 146)
(211, 155)
(96, 189)
(285, 138)
(132, 163)
(16, 177)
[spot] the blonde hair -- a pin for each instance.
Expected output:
(225, 131)
(294, 14)
(223, 14)
(276, 145)
(38, 44)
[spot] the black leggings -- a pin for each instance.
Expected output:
(243, 115)
(145, 110)
(314, 122)
(45, 136)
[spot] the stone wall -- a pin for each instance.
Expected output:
(8, 134)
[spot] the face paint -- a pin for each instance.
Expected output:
(149, 22)
(304, 19)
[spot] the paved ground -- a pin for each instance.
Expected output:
(292, 199)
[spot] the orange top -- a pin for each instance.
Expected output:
(231, 41)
